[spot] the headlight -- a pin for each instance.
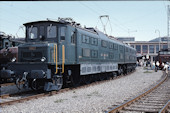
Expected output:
(43, 59)
(13, 59)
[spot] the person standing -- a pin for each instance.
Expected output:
(166, 68)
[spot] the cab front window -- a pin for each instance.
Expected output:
(51, 31)
(32, 32)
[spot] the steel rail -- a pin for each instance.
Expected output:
(3, 96)
(29, 97)
(163, 110)
(10, 84)
(7, 84)
(118, 108)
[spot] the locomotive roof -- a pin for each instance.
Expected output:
(42, 21)
(100, 34)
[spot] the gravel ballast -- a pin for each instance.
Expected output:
(95, 98)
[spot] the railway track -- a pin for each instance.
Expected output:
(151, 101)
(9, 99)
(7, 84)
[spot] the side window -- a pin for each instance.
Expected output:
(85, 39)
(104, 43)
(32, 32)
(63, 33)
(94, 41)
(86, 52)
(115, 46)
(111, 55)
(73, 37)
(110, 45)
(126, 49)
(120, 56)
(94, 53)
(121, 48)
(51, 31)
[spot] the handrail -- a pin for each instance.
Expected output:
(63, 58)
(56, 69)
(54, 54)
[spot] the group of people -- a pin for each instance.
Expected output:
(155, 65)
(165, 66)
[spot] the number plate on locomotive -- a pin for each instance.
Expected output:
(32, 48)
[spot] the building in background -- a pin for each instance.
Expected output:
(144, 48)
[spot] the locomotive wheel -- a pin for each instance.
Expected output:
(18, 83)
(34, 84)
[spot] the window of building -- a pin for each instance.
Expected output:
(132, 46)
(138, 48)
(32, 32)
(144, 48)
(94, 53)
(51, 31)
(86, 52)
(63, 33)
(73, 37)
(151, 48)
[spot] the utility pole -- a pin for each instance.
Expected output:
(168, 26)
(159, 38)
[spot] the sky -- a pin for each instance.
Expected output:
(137, 19)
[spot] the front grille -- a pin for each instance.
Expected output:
(26, 54)
(32, 56)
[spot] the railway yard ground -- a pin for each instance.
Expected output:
(95, 98)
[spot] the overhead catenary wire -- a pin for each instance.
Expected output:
(121, 26)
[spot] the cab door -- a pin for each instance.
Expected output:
(72, 54)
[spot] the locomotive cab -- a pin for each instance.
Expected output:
(45, 31)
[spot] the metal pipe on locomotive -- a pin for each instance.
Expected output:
(58, 53)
